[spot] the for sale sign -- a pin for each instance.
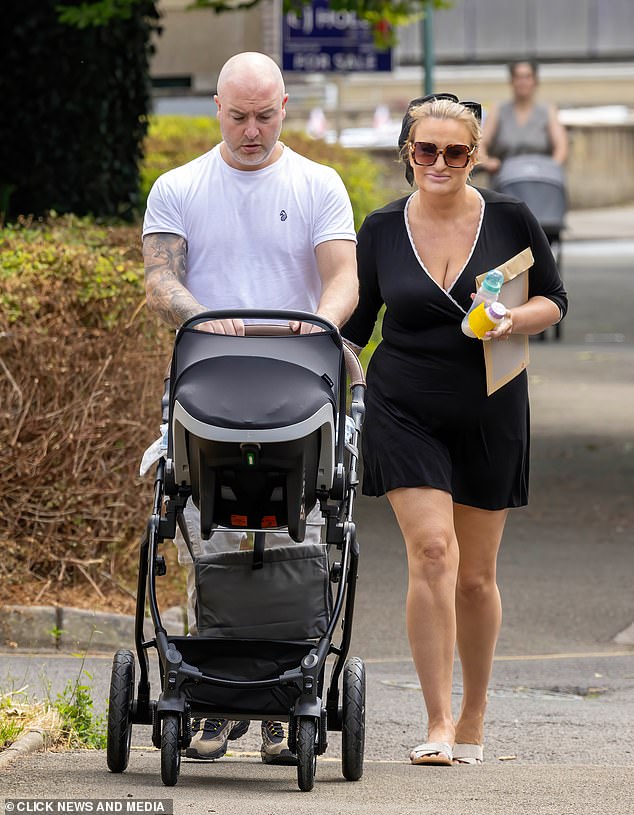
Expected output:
(323, 40)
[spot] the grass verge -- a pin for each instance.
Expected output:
(67, 721)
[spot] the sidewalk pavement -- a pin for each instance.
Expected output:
(607, 223)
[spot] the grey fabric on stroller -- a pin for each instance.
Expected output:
(225, 541)
(256, 450)
(289, 598)
(540, 182)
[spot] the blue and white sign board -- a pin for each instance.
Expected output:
(322, 40)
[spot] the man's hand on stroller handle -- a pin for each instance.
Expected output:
(229, 326)
(297, 327)
(236, 327)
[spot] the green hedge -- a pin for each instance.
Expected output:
(75, 269)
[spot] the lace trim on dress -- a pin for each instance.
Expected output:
(466, 263)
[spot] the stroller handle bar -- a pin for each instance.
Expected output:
(353, 366)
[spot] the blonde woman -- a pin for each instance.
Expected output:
(450, 459)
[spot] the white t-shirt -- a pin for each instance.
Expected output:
(251, 234)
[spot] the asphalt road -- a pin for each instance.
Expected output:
(559, 737)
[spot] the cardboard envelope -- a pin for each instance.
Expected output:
(505, 359)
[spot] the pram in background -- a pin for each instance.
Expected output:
(540, 182)
(256, 435)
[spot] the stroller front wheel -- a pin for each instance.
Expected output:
(353, 719)
(119, 711)
(170, 749)
(306, 753)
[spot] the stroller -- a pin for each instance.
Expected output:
(538, 181)
(257, 434)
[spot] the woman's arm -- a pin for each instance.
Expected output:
(532, 317)
(558, 136)
(547, 299)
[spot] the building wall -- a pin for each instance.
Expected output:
(195, 44)
(501, 30)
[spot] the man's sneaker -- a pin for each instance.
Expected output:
(210, 740)
(275, 746)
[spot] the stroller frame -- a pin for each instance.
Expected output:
(540, 182)
(187, 687)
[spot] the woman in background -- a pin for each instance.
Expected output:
(522, 126)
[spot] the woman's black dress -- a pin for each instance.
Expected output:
(429, 421)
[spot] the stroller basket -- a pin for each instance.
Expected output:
(232, 660)
(287, 598)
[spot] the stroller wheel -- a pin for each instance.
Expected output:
(119, 711)
(306, 753)
(353, 719)
(170, 749)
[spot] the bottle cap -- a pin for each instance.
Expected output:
(493, 281)
(497, 311)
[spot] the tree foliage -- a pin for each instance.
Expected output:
(96, 12)
(75, 96)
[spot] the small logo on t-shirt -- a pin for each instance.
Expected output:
(283, 215)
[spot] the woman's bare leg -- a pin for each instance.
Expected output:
(478, 612)
(425, 517)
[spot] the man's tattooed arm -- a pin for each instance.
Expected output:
(165, 259)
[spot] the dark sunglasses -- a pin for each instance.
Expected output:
(425, 153)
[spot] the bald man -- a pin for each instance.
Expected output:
(249, 224)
